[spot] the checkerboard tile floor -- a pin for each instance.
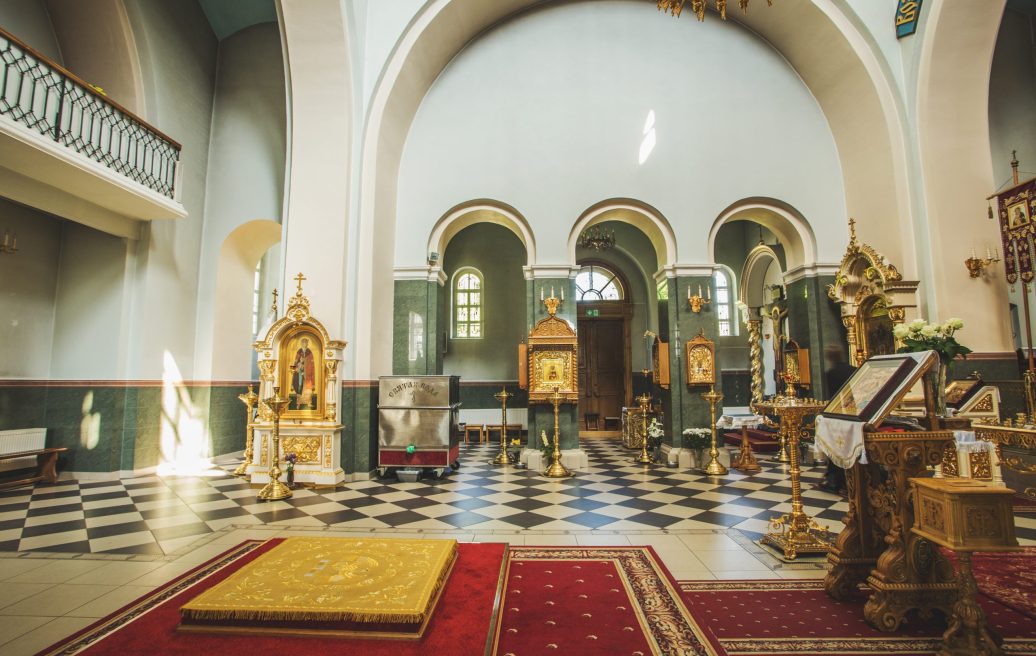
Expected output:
(159, 515)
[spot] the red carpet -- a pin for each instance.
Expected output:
(761, 441)
(462, 624)
(797, 617)
(589, 601)
(1024, 504)
(1008, 578)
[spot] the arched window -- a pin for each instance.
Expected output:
(255, 299)
(597, 283)
(725, 310)
(467, 304)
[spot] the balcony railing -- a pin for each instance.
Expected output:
(43, 96)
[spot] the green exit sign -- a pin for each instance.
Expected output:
(593, 313)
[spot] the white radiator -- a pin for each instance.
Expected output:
(16, 441)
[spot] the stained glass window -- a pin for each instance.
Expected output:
(467, 304)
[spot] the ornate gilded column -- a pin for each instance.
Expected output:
(856, 357)
(755, 342)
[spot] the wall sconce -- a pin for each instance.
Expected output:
(552, 302)
(696, 301)
(9, 244)
(975, 265)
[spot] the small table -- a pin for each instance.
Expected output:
(965, 515)
(46, 466)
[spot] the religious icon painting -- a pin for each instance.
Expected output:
(1018, 215)
(301, 368)
(878, 385)
(701, 361)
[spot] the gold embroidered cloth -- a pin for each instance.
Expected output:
(332, 579)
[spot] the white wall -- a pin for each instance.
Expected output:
(245, 168)
(555, 128)
(29, 21)
(1012, 97)
(177, 52)
(28, 282)
(88, 312)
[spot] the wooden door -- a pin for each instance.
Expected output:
(602, 369)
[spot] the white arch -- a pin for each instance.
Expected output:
(956, 167)
(481, 211)
(232, 320)
(753, 274)
(839, 64)
(639, 215)
(791, 228)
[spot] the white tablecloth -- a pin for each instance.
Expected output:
(840, 440)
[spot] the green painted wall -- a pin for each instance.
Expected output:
(132, 420)
(418, 303)
(684, 407)
(499, 256)
(815, 323)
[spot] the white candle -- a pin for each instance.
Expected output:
(688, 293)
(552, 292)
(973, 253)
(699, 291)
(708, 293)
(562, 293)
(541, 293)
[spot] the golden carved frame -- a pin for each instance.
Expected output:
(701, 360)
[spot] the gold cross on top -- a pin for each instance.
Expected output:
(300, 278)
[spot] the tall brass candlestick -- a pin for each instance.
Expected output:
(715, 467)
(556, 469)
(503, 458)
(797, 532)
(644, 459)
(249, 401)
(275, 490)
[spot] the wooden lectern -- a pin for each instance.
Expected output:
(904, 570)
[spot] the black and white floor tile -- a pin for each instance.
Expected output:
(154, 515)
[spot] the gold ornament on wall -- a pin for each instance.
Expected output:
(675, 7)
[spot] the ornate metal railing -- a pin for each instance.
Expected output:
(43, 96)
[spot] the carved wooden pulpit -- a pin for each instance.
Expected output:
(904, 570)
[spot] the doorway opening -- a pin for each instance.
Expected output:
(604, 312)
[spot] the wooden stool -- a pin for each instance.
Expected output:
(473, 427)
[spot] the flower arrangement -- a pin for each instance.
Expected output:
(697, 438)
(655, 433)
(290, 460)
(919, 335)
(547, 447)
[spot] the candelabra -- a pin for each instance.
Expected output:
(9, 245)
(644, 459)
(275, 490)
(975, 265)
(503, 458)
(556, 469)
(715, 467)
(697, 302)
(249, 401)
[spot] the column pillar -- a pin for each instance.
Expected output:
(684, 406)
(815, 322)
(755, 354)
(418, 320)
(543, 281)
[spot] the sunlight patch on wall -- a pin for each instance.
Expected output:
(647, 144)
(90, 424)
(184, 446)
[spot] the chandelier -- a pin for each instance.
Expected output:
(596, 239)
(674, 7)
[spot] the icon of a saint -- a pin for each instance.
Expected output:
(303, 377)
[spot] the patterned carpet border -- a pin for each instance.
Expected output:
(120, 618)
(671, 628)
(827, 646)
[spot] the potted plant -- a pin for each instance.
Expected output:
(919, 335)
(697, 440)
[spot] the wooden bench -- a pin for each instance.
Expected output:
(46, 466)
